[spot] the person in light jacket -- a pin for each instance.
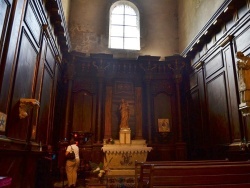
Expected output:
(72, 164)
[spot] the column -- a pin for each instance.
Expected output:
(99, 108)
(69, 75)
(138, 113)
(176, 64)
(149, 124)
(108, 111)
(100, 66)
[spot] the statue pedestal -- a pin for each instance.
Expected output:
(125, 136)
(120, 158)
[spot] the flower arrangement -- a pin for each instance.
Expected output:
(110, 141)
(99, 169)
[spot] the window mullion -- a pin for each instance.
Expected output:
(124, 27)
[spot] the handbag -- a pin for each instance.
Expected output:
(71, 155)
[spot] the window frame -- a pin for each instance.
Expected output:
(123, 37)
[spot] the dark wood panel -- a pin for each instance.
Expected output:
(23, 86)
(220, 117)
(218, 110)
(162, 153)
(195, 112)
(20, 165)
(9, 61)
(158, 86)
(59, 110)
(82, 111)
(44, 121)
(214, 64)
(162, 110)
(242, 39)
(32, 21)
(50, 59)
(4, 15)
(233, 95)
(193, 80)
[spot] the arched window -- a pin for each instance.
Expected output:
(124, 26)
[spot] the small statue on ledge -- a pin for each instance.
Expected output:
(124, 111)
(243, 76)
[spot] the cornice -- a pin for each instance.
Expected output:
(226, 10)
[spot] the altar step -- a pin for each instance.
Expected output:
(121, 172)
(120, 181)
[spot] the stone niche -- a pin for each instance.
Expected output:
(120, 158)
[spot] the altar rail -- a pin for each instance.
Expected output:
(188, 174)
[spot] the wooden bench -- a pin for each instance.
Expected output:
(208, 174)
(143, 171)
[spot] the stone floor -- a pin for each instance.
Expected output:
(63, 184)
(110, 182)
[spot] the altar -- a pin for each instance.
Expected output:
(120, 155)
(120, 158)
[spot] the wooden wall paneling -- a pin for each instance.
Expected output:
(221, 120)
(97, 153)
(197, 135)
(53, 114)
(162, 110)
(46, 99)
(107, 112)
(85, 153)
(59, 110)
(11, 55)
(39, 82)
(23, 85)
(196, 106)
(20, 166)
(162, 153)
(193, 80)
(83, 111)
(242, 37)
(123, 89)
(138, 112)
(44, 121)
(12, 165)
(213, 64)
(4, 22)
(233, 94)
(218, 110)
(33, 22)
(242, 9)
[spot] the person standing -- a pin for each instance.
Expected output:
(72, 164)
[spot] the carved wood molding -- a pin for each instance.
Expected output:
(226, 10)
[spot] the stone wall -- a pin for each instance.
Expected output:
(193, 16)
(89, 27)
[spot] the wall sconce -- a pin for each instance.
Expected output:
(25, 106)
